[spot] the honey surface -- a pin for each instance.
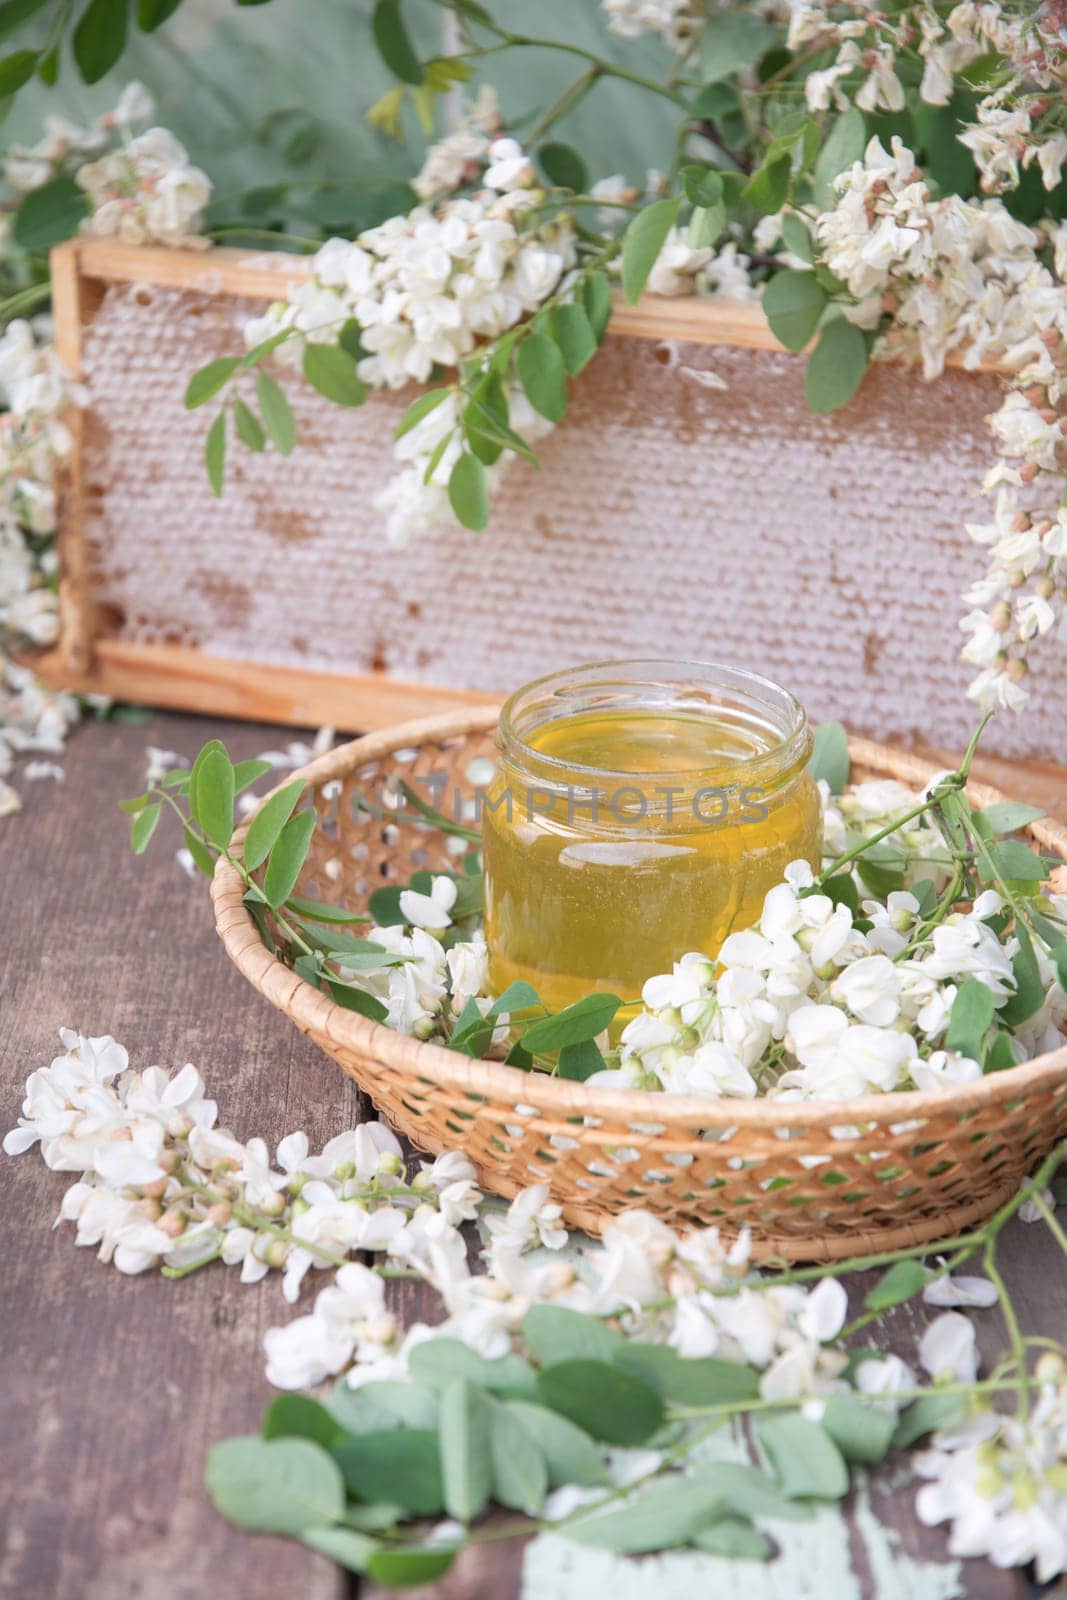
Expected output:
(581, 898)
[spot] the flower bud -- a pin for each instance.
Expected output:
(423, 1183)
(151, 1209)
(276, 1253)
(273, 1204)
(343, 1170)
(172, 1224)
(295, 1183)
(299, 1208)
(153, 1190)
(389, 1164)
(219, 1214)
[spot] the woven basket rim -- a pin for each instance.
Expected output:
(315, 1012)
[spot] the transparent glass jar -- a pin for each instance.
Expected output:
(641, 809)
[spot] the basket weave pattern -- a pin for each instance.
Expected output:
(814, 1181)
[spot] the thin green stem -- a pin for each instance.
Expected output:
(193, 1266)
(1011, 1320)
(572, 95)
(1040, 1204)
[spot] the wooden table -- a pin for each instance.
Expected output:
(113, 1388)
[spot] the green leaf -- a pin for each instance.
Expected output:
(13, 13)
(793, 302)
(748, 1491)
(151, 14)
(569, 1452)
(930, 1411)
(410, 1568)
(16, 69)
(268, 822)
(1015, 860)
(796, 237)
(100, 37)
(144, 826)
(348, 1548)
(555, 1333)
(394, 44)
(331, 371)
(322, 911)
(389, 1403)
(215, 454)
(573, 333)
(214, 797)
(248, 427)
(395, 1464)
(284, 1486)
(836, 366)
(467, 492)
(598, 303)
(287, 857)
(420, 408)
(246, 773)
(642, 242)
(734, 1538)
(970, 1019)
(845, 144)
(518, 996)
(208, 749)
(1006, 816)
(604, 1400)
(731, 39)
(438, 1362)
(829, 758)
(200, 853)
(706, 1381)
(903, 1281)
(298, 1416)
(543, 375)
(277, 415)
(49, 215)
(208, 380)
(575, 1023)
(1000, 1054)
(564, 167)
(131, 807)
(768, 187)
(1029, 994)
(805, 1459)
(705, 226)
(579, 1061)
(519, 1468)
(660, 1515)
(861, 1431)
(465, 1444)
(702, 185)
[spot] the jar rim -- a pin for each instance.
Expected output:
(786, 724)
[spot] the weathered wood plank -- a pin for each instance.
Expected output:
(114, 1388)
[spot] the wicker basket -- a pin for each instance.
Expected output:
(814, 1181)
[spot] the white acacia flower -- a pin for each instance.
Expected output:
(960, 1291)
(947, 1349)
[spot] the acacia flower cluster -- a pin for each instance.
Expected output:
(810, 1005)
(35, 391)
(141, 186)
(159, 1184)
(937, 275)
(425, 290)
(1019, 118)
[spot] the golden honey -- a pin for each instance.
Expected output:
(640, 810)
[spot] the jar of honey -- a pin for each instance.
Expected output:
(640, 810)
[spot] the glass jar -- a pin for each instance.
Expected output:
(640, 810)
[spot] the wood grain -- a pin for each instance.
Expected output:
(114, 1388)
